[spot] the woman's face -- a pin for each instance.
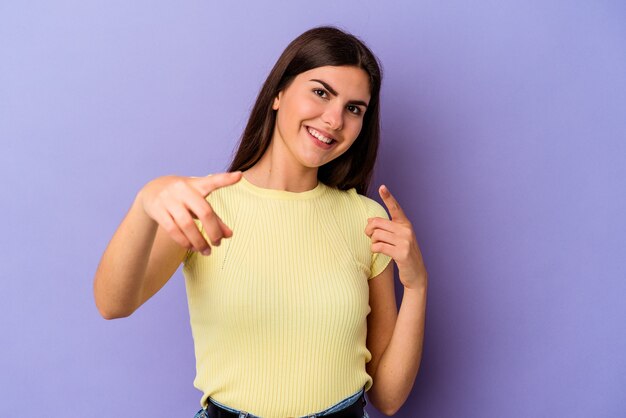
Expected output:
(325, 101)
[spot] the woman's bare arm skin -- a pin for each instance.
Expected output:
(121, 275)
(143, 253)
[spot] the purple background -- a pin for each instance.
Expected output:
(504, 139)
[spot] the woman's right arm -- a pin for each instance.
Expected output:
(153, 239)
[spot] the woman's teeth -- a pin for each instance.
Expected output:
(319, 136)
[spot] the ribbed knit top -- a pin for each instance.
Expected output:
(278, 311)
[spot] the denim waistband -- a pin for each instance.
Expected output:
(334, 408)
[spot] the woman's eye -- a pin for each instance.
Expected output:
(354, 109)
(320, 95)
(351, 108)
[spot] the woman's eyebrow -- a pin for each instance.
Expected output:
(334, 93)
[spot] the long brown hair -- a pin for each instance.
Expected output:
(318, 47)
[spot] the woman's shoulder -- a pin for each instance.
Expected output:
(372, 207)
(361, 204)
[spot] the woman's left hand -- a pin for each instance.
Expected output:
(395, 238)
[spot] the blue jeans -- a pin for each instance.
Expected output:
(202, 413)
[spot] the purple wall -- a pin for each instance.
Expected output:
(504, 138)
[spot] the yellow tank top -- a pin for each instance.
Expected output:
(278, 311)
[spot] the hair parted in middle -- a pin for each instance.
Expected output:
(318, 47)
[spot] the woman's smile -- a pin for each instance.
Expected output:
(319, 139)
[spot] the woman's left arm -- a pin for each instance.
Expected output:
(395, 339)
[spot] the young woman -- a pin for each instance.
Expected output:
(286, 261)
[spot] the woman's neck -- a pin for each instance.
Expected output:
(281, 174)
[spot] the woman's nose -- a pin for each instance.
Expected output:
(333, 117)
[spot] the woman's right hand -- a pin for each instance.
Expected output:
(174, 201)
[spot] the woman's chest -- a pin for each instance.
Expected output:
(292, 270)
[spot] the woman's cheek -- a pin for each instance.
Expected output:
(308, 110)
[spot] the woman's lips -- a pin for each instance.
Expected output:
(317, 142)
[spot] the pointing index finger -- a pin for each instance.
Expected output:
(392, 204)
(216, 181)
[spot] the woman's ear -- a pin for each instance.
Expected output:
(276, 103)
